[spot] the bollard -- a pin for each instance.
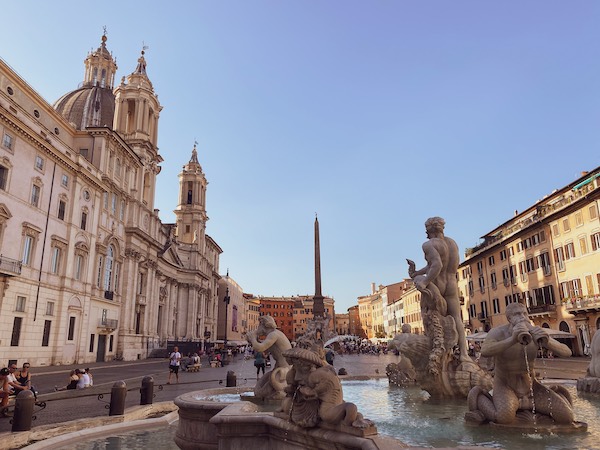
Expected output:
(117, 399)
(23, 411)
(147, 391)
(231, 379)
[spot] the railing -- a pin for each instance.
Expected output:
(588, 302)
(541, 309)
(108, 323)
(10, 266)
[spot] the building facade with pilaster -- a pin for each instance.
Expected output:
(88, 271)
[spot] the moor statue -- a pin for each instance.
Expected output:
(272, 384)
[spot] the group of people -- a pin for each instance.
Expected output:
(78, 379)
(13, 381)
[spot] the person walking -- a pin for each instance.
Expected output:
(259, 363)
(174, 361)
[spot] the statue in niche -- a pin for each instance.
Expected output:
(314, 393)
(518, 397)
(440, 356)
(271, 385)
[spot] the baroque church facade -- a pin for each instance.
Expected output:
(88, 271)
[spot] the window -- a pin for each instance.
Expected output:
(543, 261)
(472, 311)
(595, 241)
(99, 277)
(108, 268)
(502, 255)
(84, 152)
(122, 210)
(496, 306)
(511, 251)
(482, 284)
(50, 308)
(113, 204)
(569, 250)
(27, 250)
(16, 332)
(35, 195)
(55, 263)
(566, 225)
(92, 338)
(46, 335)
(8, 141)
(111, 341)
(555, 230)
(479, 266)
(484, 312)
(20, 305)
(593, 211)
(3, 177)
(559, 256)
(64, 181)
(493, 280)
(71, 331)
(83, 220)
(491, 261)
(105, 200)
(583, 245)
(62, 206)
(78, 267)
(39, 163)
(578, 219)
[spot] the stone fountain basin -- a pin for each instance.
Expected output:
(205, 422)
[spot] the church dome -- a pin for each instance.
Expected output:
(88, 106)
(93, 103)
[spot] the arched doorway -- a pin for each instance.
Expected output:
(564, 326)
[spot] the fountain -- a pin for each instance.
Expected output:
(437, 360)
(312, 412)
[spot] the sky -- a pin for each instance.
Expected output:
(375, 115)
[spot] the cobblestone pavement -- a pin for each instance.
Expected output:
(69, 405)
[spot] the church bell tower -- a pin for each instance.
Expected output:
(191, 211)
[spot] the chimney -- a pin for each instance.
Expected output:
(373, 288)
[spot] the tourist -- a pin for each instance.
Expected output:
(259, 363)
(89, 374)
(73, 380)
(23, 378)
(174, 361)
(4, 386)
(84, 379)
(329, 356)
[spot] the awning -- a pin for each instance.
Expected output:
(560, 334)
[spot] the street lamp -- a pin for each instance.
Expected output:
(227, 299)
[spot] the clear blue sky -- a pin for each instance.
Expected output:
(374, 114)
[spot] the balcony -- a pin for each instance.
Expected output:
(108, 324)
(542, 310)
(581, 305)
(9, 266)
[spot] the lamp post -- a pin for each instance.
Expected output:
(227, 299)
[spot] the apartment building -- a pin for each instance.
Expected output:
(547, 257)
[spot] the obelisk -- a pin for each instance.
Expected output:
(318, 306)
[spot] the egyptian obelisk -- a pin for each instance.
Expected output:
(318, 306)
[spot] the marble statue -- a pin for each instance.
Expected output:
(518, 397)
(272, 384)
(314, 393)
(591, 382)
(440, 356)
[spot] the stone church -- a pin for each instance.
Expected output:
(88, 271)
